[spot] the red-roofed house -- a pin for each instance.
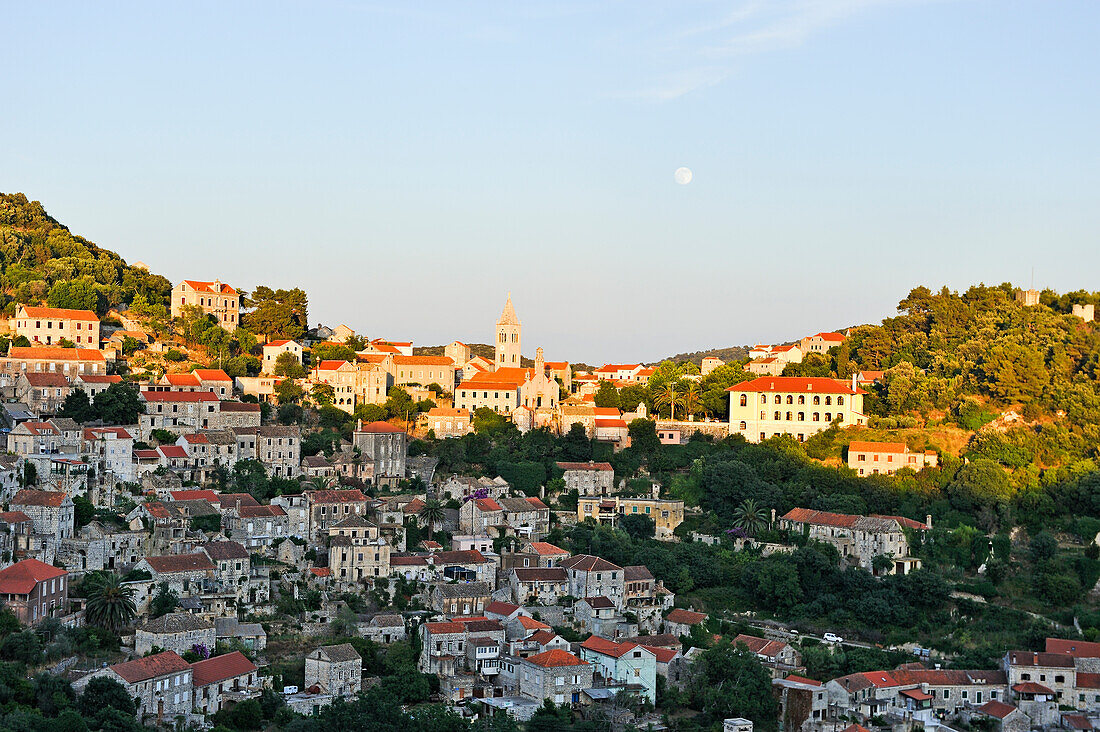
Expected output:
(230, 677)
(43, 359)
(50, 325)
(623, 663)
(176, 411)
(274, 349)
(792, 405)
(780, 657)
(679, 621)
(384, 449)
(858, 539)
(871, 458)
(34, 590)
(160, 684)
(1074, 648)
(555, 675)
(213, 298)
(327, 507)
(478, 515)
(50, 512)
(820, 342)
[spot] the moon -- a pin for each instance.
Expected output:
(683, 176)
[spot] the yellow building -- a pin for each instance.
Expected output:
(424, 370)
(356, 552)
(508, 340)
(793, 405)
(215, 298)
(667, 514)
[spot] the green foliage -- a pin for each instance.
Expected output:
(607, 395)
(103, 693)
(83, 511)
(638, 526)
(330, 352)
(288, 365)
(210, 523)
(77, 406)
(23, 647)
(164, 601)
(731, 682)
(276, 313)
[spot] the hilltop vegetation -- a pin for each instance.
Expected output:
(42, 261)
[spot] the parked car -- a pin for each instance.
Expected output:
(832, 638)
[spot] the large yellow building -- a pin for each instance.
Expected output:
(793, 405)
(48, 326)
(215, 298)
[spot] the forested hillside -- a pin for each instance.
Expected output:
(42, 261)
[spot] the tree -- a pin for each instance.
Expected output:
(431, 513)
(78, 407)
(750, 517)
(638, 526)
(330, 352)
(24, 647)
(643, 436)
(287, 365)
(118, 404)
(105, 693)
(692, 398)
(607, 395)
(667, 396)
(288, 391)
(83, 511)
(322, 394)
(164, 602)
(731, 682)
(277, 313)
(80, 294)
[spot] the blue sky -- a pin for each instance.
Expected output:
(408, 164)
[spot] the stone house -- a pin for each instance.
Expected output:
(538, 585)
(423, 371)
(356, 552)
(217, 681)
(871, 458)
(462, 598)
(15, 535)
(336, 670)
(859, 539)
(328, 507)
(534, 554)
(589, 479)
(236, 415)
(781, 658)
(384, 449)
(160, 684)
(232, 566)
(51, 359)
(250, 635)
(679, 621)
(97, 546)
(179, 632)
(555, 675)
(34, 590)
(793, 405)
(95, 384)
(448, 422)
(479, 515)
(277, 447)
(51, 512)
(256, 527)
(186, 574)
(1005, 717)
(526, 517)
(34, 438)
(590, 576)
(42, 392)
(178, 411)
(597, 615)
(385, 628)
(111, 451)
(297, 508)
(443, 643)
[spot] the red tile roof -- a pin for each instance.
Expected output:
(182, 379)
(93, 433)
(31, 497)
(685, 617)
(195, 495)
(1075, 648)
(226, 500)
(34, 311)
(997, 709)
(529, 623)
(44, 379)
(760, 646)
(260, 511)
(588, 563)
(496, 607)
(200, 286)
(586, 466)
(423, 361)
(170, 563)
(797, 384)
(21, 577)
(212, 375)
(220, 668)
(179, 396)
(1086, 680)
(54, 353)
(535, 502)
(353, 495)
(276, 343)
(1032, 658)
(143, 669)
(1030, 687)
(555, 658)
(14, 517)
(664, 655)
(487, 504)
(378, 427)
(466, 556)
(820, 518)
(320, 571)
(172, 451)
(895, 448)
(802, 680)
(443, 628)
(545, 548)
(607, 647)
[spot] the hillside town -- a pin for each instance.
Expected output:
(248, 538)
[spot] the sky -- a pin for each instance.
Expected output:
(410, 163)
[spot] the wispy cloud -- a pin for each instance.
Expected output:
(707, 52)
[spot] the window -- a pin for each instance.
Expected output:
(744, 400)
(817, 417)
(763, 398)
(790, 399)
(817, 399)
(801, 416)
(743, 426)
(778, 399)
(777, 416)
(840, 401)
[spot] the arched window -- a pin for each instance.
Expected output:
(790, 399)
(763, 398)
(828, 416)
(763, 415)
(817, 399)
(744, 400)
(801, 398)
(839, 416)
(778, 399)
(817, 417)
(828, 400)
(743, 426)
(789, 416)
(801, 416)
(777, 416)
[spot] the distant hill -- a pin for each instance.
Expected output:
(732, 353)
(41, 261)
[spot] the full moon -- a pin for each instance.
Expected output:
(682, 176)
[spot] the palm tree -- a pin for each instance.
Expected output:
(322, 482)
(750, 517)
(431, 514)
(110, 605)
(691, 398)
(666, 397)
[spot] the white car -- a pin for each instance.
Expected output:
(832, 638)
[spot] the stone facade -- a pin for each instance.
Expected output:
(178, 632)
(337, 670)
(589, 479)
(555, 675)
(214, 298)
(792, 405)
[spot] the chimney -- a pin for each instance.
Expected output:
(853, 382)
(773, 517)
(928, 520)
